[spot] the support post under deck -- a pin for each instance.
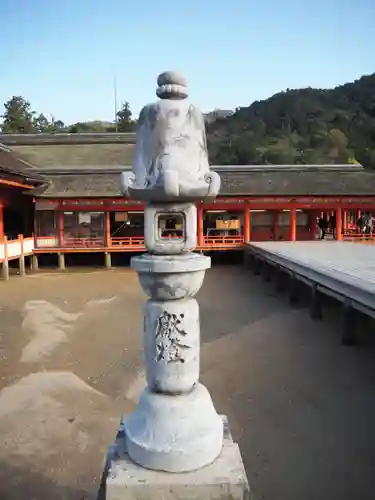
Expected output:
(61, 258)
(108, 260)
(349, 324)
(1, 220)
(34, 263)
(316, 311)
(21, 261)
(5, 268)
(294, 291)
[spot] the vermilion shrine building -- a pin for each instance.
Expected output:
(63, 191)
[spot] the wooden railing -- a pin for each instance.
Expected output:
(46, 241)
(355, 235)
(223, 241)
(92, 242)
(14, 248)
(127, 241)
(68, 242)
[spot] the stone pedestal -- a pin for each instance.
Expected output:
(224, 479)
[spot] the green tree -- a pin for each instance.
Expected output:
(18, 116)
(124, 118)
(300, 126)
(41, 124)
(338, 146)
(87, 127)
(79, 128)
(56, 125)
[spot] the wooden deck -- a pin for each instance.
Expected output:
(343, 270)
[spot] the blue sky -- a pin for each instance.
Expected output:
(62, 55)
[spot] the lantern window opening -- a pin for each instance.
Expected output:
(171, 226)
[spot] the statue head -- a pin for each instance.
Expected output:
(170, 161)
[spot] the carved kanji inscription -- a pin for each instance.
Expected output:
(169, 338)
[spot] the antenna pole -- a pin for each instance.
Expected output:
(115, 99)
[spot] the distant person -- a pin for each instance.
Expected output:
(368, 223)
(323, 226)
(360, 223)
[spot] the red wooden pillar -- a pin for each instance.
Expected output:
(275, 226)
(345, 220)
(338, 224)
(313, 224)
(1, 220)
(200, 235)
(61, 228)
(293, 225)
(357, 216)
(107, 229)
(246, 224)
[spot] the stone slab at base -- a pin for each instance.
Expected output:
(224, 479)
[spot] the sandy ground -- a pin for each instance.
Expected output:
(301, 406)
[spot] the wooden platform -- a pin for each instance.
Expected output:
(343, 270)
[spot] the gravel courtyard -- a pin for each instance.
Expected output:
(301, 406)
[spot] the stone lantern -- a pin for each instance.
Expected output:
(174, 444)
(175, 427)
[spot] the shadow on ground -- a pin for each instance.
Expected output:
(301, 406)
(19, 483)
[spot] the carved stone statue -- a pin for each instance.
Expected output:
(170, 159)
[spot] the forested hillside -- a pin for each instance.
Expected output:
(309, 126)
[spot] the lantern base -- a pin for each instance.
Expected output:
(174, 433)
(224, 479)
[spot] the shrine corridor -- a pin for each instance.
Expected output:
(301, 406)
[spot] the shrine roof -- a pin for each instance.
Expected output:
(52, 155)
(89, 165)
(15, 167)
(254, 180)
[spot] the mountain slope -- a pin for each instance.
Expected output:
(300, 126)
